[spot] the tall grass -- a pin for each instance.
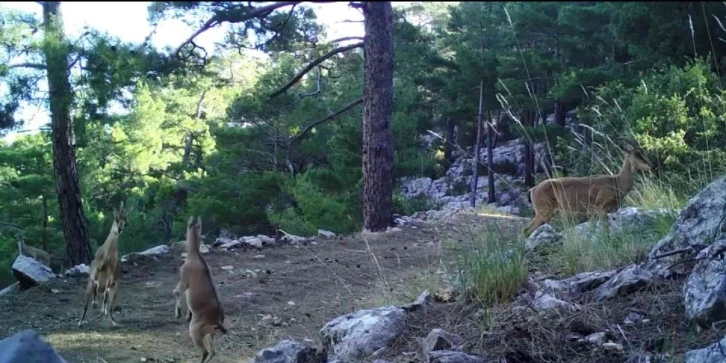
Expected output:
(491, 265)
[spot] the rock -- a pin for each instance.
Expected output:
(439, 339)
(633, 318)
(646, 357)
(705, 290)
(626, 281)
(544, 235)
(253, 241)
(614, 347)
(266, 240)
(581, 282)
(710, 354)
(13, 288)
(29, 272)
(223, 240)
(78, 270)
(596, 338)
(287, 351)
(326, 234)
(420, 301)
(231, 244)
(694, 229)
(448, 356)
(27, 347)
(353, 337)
(543, 302)
(156, 251)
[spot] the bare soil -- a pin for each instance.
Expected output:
(289, 292)
(270, 294)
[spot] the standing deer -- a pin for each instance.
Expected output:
(30, 251)
(204, 310)
(105, 271)
(601, 194)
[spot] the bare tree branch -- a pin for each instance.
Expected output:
(313, 64)
(308, 128)
(346, 38)
(295, 139)
(220, 18)
(28, 65)
(317, 89)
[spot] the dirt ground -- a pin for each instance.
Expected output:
(291, 292)
(270, 294)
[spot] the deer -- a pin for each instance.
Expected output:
(601, 194)
(204, 309)
(105, 271)
(30, 251)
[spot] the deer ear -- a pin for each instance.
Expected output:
(189, 223)
(199, 223)
(115, 213)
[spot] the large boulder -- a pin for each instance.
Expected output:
(353, 337)
(713, 353)
(27, 347)
(624, 282)
(696, 227)
(29, 272)
(705, 291)
(287, 351)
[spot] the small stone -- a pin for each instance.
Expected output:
(291, 303)
(228, 267)
(613, 346)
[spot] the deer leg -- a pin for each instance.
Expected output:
(90, 289)
(209, 346)
(178, 290)
(111, 291)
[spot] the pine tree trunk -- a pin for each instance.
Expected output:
(67, 184)
(377, 116)
(490, 159)
(477, 147)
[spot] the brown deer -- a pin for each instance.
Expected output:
(30, 251)
(601, 194)
(105, 271)
(204, 310)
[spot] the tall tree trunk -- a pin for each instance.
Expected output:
(56, 51)
(448, 145)
(477, 147)
(490, 159)
(44, 223)
(377, 116)
(559, 113)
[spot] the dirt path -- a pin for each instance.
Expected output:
(270, 294)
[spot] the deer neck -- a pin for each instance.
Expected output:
(112, 239)
(626, 177)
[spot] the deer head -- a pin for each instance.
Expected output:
(636, 155)
(120, 218)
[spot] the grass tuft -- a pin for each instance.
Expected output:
(492, 268)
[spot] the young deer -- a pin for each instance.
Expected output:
(204, 310)
(30, 251)
(601, 194)
(105, 271)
